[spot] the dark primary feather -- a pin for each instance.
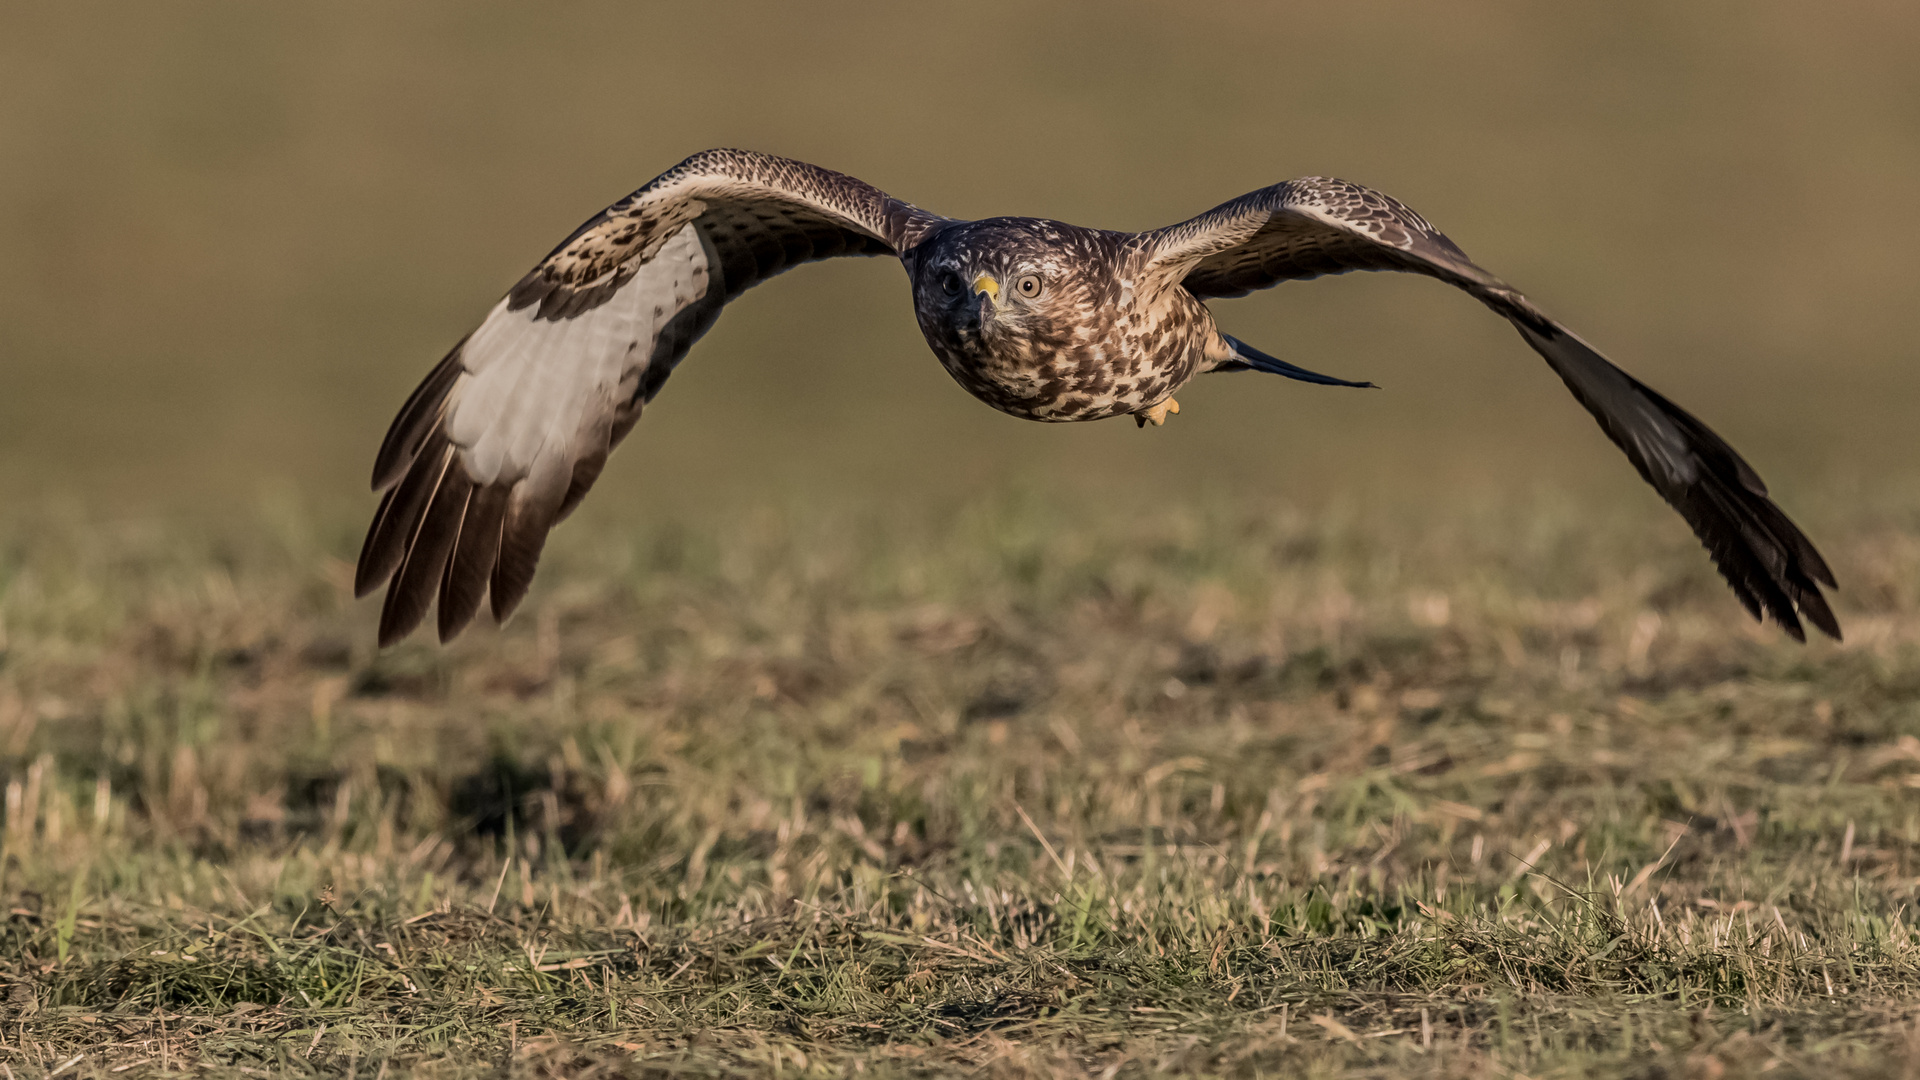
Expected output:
(470, 566)
(417, 418)
(1305, 228)
(1770, 563)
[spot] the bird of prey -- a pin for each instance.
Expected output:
(1037, 318)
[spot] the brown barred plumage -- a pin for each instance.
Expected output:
(1039, 319)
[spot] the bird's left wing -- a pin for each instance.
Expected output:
(506, 435)
(1313, 226)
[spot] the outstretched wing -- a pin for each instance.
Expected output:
(1313, 226)
(506, 435)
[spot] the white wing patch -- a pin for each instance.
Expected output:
(535, 392)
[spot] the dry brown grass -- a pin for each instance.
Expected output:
(1227, 792)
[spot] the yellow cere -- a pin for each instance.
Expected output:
(985, 284)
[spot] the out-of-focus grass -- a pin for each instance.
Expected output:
(233, 236)
(1508, 790)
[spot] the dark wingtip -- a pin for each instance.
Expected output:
(391, 633)
(414, 424)
(368, 572)
(1772, 566)
(523, 533)
(1817, 567)
(435, 526)
(463, 585)
(1814, 607)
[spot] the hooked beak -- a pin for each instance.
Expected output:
(988, 290)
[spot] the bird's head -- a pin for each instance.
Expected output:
(1010, 284)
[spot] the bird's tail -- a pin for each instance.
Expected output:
(1248, 358)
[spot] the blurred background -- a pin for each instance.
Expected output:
(233, 236)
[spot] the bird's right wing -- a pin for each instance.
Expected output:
(510, 430)
(1313, 226)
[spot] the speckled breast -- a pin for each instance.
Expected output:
(1067, 376)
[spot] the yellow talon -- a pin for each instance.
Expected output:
(1157, 415)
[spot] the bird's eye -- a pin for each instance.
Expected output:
(1028, 285)
(951, 284)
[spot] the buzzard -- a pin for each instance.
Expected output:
(1040, 319)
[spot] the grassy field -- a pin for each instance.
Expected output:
(1506, 790)
(1299, 741)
